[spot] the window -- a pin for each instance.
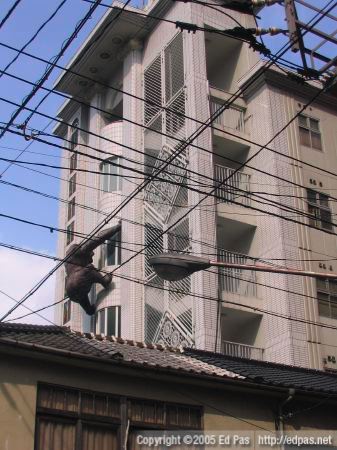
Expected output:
(70, 232)
(108, 321)
(72, 185)
(73, 162)
(70, 418)
(327, 298)
(66, 311)
(71, 208)
(310, 134)
(111, 179)
(74, 134)
(111, 251)
(319, 210)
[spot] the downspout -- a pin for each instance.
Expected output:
(280, 416)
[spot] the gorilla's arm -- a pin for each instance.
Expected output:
(98, 240)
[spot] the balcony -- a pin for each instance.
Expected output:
(242, 350)
(233, 117)
(237, 281)
(236, 189)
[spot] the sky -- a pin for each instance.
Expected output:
(20, 272)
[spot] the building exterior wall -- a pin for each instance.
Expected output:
(214, 226)
(225, 408)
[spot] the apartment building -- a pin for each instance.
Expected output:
(184, 77)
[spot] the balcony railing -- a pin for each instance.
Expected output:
(236, 188)
(242, 350)
(237, 281)
(233, 117)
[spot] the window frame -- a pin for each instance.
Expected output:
(71, 208)
(73, 163)
(117, 322)
(126, 410)
(330, 293)
(310, 132)
(70, 233)
(115, 242)
(319, 209)
(66, 311)
(74, 134)
(108, 178)
(72, 185)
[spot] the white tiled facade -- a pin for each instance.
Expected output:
(194, 71)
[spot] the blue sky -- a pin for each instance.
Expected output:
(28, 16)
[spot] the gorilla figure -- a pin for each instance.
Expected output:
(82, 274)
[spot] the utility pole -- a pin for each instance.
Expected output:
(316, 63)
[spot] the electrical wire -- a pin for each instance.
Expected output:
(213, 195)
(174, 234)
(248, 160)
(179, 291)
(188, 170)
(223, 131)
(144, 184)
(35, 35)
(26, 307)
(86, 50)
(9, 13)
(51, 65)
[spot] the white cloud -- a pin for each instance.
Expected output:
(19, 272)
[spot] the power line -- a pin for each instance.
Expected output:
(179, 291)
(142, 224)
(9, 13)
(211, 194)
(51, 66)
(236, 170)
(26, 307)
(32, 39)
(188, 170)
(173, 137)
(86, 50)
(145, 183)
(244, 139)
(23, 150)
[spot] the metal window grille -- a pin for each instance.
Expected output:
(111, 180)
(319, 210)
(242, 350)
(237, 281)
(178, 238)
(153, 241)
(152, 144)
(231, 190)
(233, 117)
(309, 130)
(174, 67)
(152, 90)
(174, 121)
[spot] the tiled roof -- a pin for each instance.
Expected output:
(86, 345)
(62, 340)
(272, 374)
